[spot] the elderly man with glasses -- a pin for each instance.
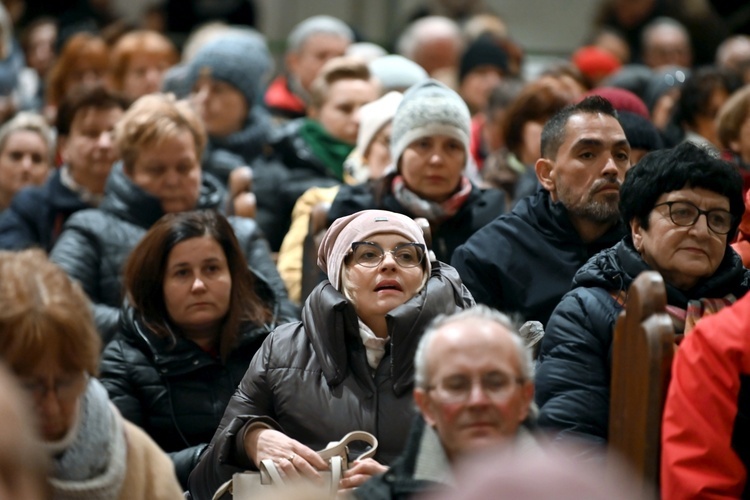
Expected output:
(473, 388)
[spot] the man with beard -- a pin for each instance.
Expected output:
(523, 262)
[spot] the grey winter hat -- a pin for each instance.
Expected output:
(239, 59)
(429, 108)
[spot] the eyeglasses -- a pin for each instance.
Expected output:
(684, 213)
(369, 254)
(66, 388)
(496, 386)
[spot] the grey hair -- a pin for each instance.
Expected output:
(478, 312)
(425, 29)
(314, 26)
(661, 22)
(32, 122)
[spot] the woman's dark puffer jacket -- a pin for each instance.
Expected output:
(311, 379)
(95, 244)
(575, 361)
(176, 392)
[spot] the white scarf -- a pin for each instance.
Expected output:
(374, 345)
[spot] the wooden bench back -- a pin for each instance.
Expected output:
(642, 351)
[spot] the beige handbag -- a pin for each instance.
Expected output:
(249, 485)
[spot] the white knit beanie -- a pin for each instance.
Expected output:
(373, 116)
(429, 108)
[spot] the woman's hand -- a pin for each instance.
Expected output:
(359, 473)
(293, 459)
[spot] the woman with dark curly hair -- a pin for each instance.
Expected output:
(683, 207)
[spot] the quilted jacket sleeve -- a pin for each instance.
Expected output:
(573, 375)
(116, 374)
(258, 256)
(252, 402)
(78, 254)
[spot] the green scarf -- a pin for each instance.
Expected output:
(331, 151)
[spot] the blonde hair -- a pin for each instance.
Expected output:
(152, 119)
(44, 316)
(732, 116)
(338, 68)
(31, 122)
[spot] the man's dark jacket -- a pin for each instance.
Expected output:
(524, 261)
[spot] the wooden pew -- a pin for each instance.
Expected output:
(642, 351)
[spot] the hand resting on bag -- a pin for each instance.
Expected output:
(293, 459)
(359, 472)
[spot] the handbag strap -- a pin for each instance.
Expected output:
(339, 448)
(269, 474)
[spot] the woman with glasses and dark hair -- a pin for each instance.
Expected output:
(348, 365)
(683, 206)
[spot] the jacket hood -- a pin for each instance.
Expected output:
(128, 201)
(331, 321)
(616, 268)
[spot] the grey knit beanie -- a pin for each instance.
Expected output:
(238, 59)
(429, 108)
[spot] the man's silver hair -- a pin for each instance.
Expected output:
(477, 312)
(317, 25)
(660, 22)
(426, 29)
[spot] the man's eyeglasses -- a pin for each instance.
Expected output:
(496, 386)
(66, 388)
(369, 254)
(684, 213)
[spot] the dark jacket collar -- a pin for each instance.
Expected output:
(128, 201)
(617, 267)
(332, 326)
(551, 218)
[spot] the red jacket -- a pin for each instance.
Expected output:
(280, 101)
(706, 426)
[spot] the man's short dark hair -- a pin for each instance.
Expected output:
(93, 96)
(667, 170)
(553, 133)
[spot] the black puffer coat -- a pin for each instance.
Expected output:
(176, 392)
(481, 207)
(290, 169)
(575, 362)
(95, 244)
(312, 381)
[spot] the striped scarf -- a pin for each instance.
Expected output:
(684, 320)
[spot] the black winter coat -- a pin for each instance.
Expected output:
(177, 393)
(283, 176)
(481, 207)
(95, 244)
(36, 215)
(575, 361)
(311, 379)
(398, 483)
(524, 261)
